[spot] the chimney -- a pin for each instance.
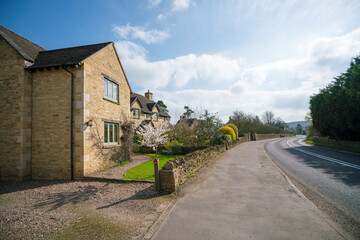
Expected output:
(149, 95)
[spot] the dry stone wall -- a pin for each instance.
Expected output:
(259, 137)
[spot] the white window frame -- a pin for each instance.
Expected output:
(155, 116)
(111, 90)
(136, 110)
(111, 137)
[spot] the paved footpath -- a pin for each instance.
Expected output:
(245, 197)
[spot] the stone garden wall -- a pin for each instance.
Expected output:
(259, 137)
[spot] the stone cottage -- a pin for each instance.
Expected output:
(146, 111)
(57, 107)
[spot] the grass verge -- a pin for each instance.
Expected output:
(145, 171)
(336, 146)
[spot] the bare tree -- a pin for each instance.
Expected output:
(268, 118)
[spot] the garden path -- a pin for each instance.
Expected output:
(120, 172)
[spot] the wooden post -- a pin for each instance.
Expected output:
(157, 176)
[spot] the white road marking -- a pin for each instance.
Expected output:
(324, 157)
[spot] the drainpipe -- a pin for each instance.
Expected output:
(71, 123)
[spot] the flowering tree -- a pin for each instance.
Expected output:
(153, 137)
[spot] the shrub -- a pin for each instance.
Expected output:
(228, 138)
(228, 130)
(235, 129)
(174, 146)
(137, 139)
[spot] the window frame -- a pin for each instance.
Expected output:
(157, 117)
(138, 113)
(114, 95)
(108, 134)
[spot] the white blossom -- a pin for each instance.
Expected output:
(153, 137)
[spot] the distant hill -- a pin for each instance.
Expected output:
(294, 124)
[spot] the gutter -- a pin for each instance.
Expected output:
(71, 123)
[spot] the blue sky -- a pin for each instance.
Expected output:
(222, 56)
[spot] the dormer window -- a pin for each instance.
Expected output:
(136, 113)
(111, 90)
(155, 116)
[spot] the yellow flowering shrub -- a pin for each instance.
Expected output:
(235, 129)
(228, 130)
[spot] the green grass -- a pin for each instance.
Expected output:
(123, 163)
(145, 171)
(335, 146)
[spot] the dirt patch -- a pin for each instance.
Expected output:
(78, 209)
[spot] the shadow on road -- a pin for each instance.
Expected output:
(347, 175)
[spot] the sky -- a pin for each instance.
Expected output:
(223, 56)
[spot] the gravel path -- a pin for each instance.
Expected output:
(120, 172)
(78, 209)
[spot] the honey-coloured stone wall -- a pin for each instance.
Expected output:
(15, 115)
(104, 63)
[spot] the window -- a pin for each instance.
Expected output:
(111, 90)
(155, 116)
(164, 119)
(111, 133)
(136, 113)
(145, 116)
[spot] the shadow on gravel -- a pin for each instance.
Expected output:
(12, 186)
(81, 194)
(147, 193)
(347, 175)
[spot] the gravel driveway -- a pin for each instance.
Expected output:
(78, 209)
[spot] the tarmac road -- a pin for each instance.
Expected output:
(245, 196)
(329, 178)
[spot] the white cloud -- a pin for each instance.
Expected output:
(180, 5)
(283, 86)
(161, 17)
(138, 32)
(153, 3)
(130, 50)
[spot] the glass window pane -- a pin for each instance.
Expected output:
(115, 95)
(116, 133)
(110, 90)
(111, 131)
(105, 87)
(105, 132)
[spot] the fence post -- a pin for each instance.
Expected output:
(156, 172)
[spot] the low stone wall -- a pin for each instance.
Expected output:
(177, 171)
(259, 137)
(340, 142)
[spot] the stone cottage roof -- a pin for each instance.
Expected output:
(24, 47)
(188, 121)
(66, 56)
(146, 104)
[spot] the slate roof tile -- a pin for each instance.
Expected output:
(26, 48)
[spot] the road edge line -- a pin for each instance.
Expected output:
(325, 217)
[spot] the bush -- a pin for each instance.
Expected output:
(174, 146)
(235, 129)
(228, 130)
(137, 139)
(228, 138)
